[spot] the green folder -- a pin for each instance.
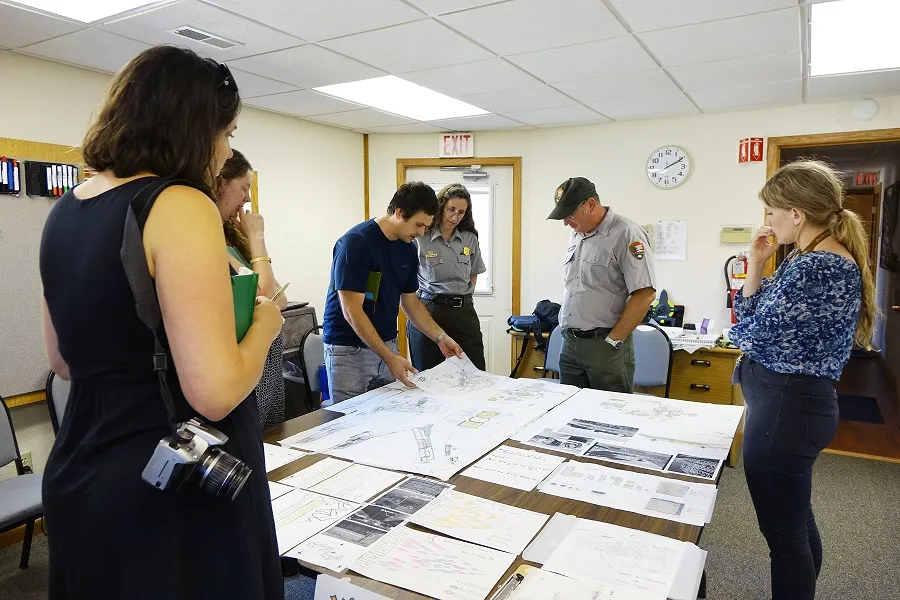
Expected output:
(372, 285)
(243, 289)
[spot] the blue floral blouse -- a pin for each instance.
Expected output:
(802, 320)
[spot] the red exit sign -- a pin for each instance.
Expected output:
(867, 178)
(456, 145)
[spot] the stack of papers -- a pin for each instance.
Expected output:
(650, 495)
(645, 565)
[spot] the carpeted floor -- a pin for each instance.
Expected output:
(857, 504)
(857, 507)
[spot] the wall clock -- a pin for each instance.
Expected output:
(668, 167)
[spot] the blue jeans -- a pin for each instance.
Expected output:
(789, 420)
(354, 370)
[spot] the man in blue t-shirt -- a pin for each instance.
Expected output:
(373, 275)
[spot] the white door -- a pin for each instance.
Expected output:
(492, 211)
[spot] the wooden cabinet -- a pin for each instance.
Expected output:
(533, 362)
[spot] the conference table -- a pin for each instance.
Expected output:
(533, 500)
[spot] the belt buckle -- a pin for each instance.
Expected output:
(457, 302)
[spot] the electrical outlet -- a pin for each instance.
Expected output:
(26, 461)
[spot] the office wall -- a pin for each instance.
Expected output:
(310, 186)
(718, 192)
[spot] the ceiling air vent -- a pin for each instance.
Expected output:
(196, 35)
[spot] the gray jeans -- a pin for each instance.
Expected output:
(354, 370)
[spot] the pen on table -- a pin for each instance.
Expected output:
(508, 587)
(280, 292)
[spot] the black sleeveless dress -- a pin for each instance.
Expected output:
(112, 535)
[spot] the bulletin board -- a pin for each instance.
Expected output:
(23, 365)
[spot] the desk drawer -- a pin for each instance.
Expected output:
(701, 389)
(703, 365)
(532, 366)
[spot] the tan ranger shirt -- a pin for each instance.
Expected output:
(603, 268)
(448, 267)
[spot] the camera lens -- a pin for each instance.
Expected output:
(221, 474)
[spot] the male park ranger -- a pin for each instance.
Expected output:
(610, 285)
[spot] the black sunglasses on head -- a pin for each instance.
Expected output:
(227, 78)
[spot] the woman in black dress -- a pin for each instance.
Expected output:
(169, 113)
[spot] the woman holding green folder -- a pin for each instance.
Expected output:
(245, 236)
(167, 117)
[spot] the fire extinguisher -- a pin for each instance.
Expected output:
(735, 276)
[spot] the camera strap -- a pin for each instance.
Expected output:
(134, 260)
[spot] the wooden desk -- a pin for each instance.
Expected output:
(534, 500)
(704, 376)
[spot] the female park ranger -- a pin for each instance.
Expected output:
(449, 263)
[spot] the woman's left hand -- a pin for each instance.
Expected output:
(251, 225)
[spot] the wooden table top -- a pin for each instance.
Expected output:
(533, 500)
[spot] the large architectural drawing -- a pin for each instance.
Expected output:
(454, 418)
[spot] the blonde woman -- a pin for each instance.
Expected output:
(796, 331)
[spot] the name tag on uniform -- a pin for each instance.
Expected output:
(466, 251)
(431, 254)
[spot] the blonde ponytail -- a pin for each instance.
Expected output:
(848, 230)
(816, 189)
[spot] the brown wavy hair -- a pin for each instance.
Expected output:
(449, 192)
(815, 189)
(162, 114)
(235, 167)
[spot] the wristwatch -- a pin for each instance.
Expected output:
(616, 344)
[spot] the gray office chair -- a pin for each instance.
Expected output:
(20, 496)
(58, 390)
(653, 356)
(312, 354)
(551, 356)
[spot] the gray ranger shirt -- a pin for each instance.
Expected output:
(603, 268)
(448, 267)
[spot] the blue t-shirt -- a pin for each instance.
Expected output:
(359, 253)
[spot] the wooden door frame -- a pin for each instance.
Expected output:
(494, 161)
(840, 138)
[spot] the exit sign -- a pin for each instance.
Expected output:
(456, 145)
(867, 178)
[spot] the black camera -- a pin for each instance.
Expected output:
(192, 457)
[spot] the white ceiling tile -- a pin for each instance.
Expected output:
(442, 7)
(410, 47)
(362, 119)
(766, 33)
(303, 103)
(531, 25)
(531, 98)
(251, 85)
(153, 27)
(620, 87)
(408, 128)
(671, 105)
(642, 15)
(20, 27)
(558, 116)
(853, 85)
(90, 48)
(586, 61)
(317, 20)
(749, 96)
(307, 66)
(479, 123)
(741, 71)
(494, 75)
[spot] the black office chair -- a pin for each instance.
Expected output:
(20, 496)
(58, 390)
